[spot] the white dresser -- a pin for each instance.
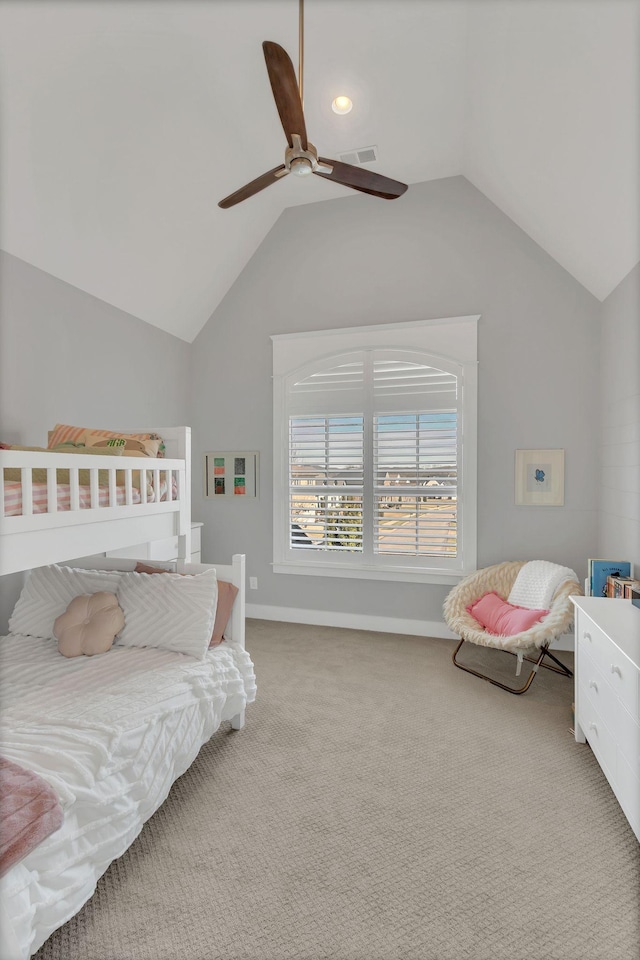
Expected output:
(607, 693)
(162, 549)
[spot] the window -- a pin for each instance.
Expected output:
(375, 450)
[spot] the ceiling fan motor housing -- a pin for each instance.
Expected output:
(300, 166)
(301, 161)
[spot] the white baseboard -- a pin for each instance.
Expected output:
(357, 621)
(565, 642)
(352, 621)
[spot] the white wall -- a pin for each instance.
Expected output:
(441, 250)
(70, 358)
(619, 496)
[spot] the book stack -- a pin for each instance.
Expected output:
(617, 587)
(610, 578)
(632, 590)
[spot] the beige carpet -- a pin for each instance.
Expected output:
(379, 805)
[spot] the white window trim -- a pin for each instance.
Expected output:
(453, 340)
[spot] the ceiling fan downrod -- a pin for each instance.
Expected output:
(301, 49)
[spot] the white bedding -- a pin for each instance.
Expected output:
(110, 733)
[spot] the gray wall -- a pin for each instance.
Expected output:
(70, 358)
(441, 250)
(619, 496)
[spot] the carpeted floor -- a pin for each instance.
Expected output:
(378, 805)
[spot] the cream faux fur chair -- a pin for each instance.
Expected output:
(532, 644)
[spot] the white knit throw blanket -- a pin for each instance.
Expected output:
(536, 583)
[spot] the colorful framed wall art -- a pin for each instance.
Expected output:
(231, 474)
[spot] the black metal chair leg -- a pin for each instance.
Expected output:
(544, 652)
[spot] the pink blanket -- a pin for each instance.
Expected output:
(29, 812)
(13, 496)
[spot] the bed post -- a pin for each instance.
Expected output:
(237, 625)
(181, 437)
(237, 722)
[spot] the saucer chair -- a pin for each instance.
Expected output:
(532, 644)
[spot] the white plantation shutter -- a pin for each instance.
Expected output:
(414, 458)
(326, 476)
(334, 388)
(415, 484)
(326, 457)
(369, 478)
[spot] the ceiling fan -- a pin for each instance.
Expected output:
(301, 157)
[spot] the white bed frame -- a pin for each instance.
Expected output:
(35, 539)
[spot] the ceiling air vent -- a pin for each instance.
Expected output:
(362, 155)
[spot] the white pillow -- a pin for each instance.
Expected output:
(171, 612)
(49, 591)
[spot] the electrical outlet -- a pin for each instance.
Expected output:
(253, 583)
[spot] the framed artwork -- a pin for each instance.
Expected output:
(540, 478)
(231, 474)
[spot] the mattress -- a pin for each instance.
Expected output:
(13, 497)
(110, 734)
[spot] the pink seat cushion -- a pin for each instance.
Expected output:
(501, 618)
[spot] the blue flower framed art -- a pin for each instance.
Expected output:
(539, 478)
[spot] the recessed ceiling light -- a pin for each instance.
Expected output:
(341, 105)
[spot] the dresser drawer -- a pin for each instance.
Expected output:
(615, 666)
(622, 726)
(595, 687)
(591, 639)
(628, 736)
(600, 737)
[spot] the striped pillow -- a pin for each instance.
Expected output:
(49, 591)
(173, 612)
(87, 436)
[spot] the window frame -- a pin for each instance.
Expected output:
(449, 344)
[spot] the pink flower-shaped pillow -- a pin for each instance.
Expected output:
(89, 625)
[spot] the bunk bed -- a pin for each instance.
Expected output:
(81, 504)
(104, 737)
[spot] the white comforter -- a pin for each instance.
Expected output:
(110, 734)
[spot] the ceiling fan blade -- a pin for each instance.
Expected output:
(254, 187)
(364, 180)
(285, 91)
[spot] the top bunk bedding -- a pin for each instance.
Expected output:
(91, 491)
(40, 496)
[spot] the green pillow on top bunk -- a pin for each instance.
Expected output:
(90, 441)
(134, 444)
(39, 474)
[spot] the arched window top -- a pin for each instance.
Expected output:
(411, 378)
(388, 379)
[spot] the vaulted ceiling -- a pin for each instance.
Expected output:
(123, 124)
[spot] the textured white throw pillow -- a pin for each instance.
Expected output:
(171, 612)
(49, 591)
